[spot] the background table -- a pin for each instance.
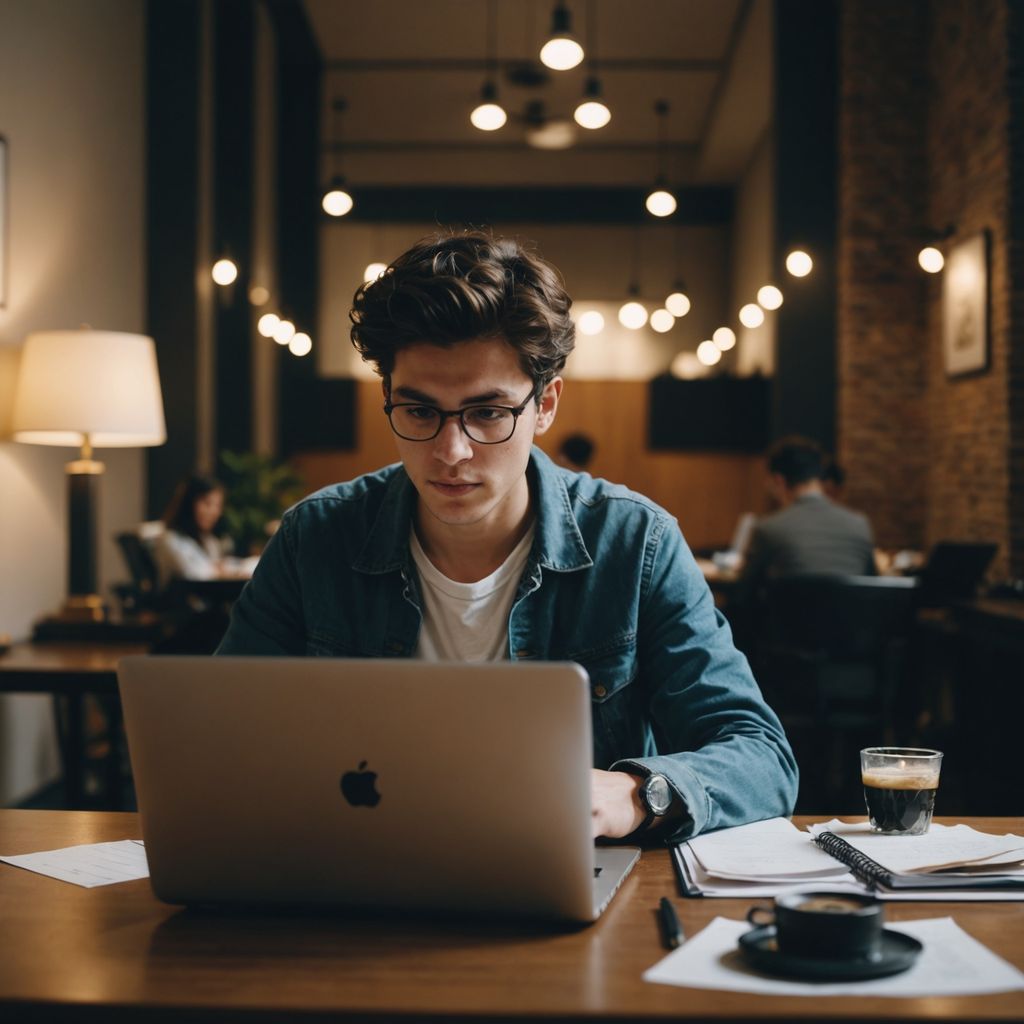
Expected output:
(70, 671)
(115, 954)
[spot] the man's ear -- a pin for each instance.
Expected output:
(548, 405)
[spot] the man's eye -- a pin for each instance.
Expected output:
(486, 414)
(420, 412)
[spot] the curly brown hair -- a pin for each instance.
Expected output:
(460, 286)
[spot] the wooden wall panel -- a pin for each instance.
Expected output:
(706, 492)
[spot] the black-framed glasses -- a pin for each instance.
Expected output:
(485, 424)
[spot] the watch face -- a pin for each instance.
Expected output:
(657, 794)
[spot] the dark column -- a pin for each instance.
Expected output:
(172, 211)
(233, 30)
(806, 77)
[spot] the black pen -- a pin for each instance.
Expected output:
(671, 928)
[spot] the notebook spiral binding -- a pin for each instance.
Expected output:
(867, 870)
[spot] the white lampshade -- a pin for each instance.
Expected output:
(100, 384)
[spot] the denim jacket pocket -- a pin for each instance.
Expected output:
(320, 645)
(612, 671)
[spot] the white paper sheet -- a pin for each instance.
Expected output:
(941, 846)
(775, 848)
(952, 963)
(90, 865)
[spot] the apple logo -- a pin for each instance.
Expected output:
(359, 787)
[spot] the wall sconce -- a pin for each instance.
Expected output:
(86, 389)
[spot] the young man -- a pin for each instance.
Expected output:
(477, 547)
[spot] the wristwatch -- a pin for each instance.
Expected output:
(655, 797)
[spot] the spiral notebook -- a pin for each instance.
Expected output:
(766, 858)
(875, 876)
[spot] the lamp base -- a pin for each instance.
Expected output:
(80, 613)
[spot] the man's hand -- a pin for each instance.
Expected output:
(615, 805)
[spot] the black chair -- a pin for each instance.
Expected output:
(143, 592)
(830, 658)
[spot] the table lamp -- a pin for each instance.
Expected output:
(87, 389)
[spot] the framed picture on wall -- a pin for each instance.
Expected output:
(965, 306)
(3, 222)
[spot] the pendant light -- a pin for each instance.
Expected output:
(678, 302)
(660, 201)
(562, 51)
(592, 113)
(633, 313)
(489, 115)
(337, 200)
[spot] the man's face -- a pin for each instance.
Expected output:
(463, 483)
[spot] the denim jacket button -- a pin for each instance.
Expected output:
(599, 691)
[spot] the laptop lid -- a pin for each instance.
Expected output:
(380, 783)
(954, 570)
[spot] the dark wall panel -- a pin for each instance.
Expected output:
(721, 414)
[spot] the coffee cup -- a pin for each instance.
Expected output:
(900, 784)
(824, 925)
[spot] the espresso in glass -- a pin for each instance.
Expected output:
(900, 784)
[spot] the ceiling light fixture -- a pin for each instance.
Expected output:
(799, 263)
(751, 315)
(224, 271)
(543, 132)
(337, 200)
(592, 112)
(591, 322)
(562, 51)
(724, 338)
(633, 313)
(708, 353)
(662, 321)
(660, 201)
(678, 303)
(489, 115)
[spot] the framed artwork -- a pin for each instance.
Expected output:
(965, 306)
(3, 222)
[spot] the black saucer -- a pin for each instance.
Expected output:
(896, 953)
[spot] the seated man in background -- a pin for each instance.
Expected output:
(809, 533)
(477, 547)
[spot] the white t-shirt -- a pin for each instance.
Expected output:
(467, 621)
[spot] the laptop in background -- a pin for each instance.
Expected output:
(953, 571)
(373, 783)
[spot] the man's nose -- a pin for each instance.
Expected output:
(451, 445)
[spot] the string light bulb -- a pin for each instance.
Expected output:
(769, 297)
(931, 259)
(224, 271)
(799, 263)
(591, 322)
(489, 115)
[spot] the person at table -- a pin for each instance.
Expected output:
(193, 544)
(477, 547)
(809, 533)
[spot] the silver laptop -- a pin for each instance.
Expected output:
(376, 783)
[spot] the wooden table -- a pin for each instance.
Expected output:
(70, 671)
(114, 953)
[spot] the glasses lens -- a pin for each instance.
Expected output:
(415, 422)
(488, 424)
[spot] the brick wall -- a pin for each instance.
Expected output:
(927, 111)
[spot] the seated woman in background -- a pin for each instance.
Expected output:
(193, 545)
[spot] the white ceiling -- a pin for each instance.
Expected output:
(411, 72)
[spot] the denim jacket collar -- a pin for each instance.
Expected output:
(558, 544)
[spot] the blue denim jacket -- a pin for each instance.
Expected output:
(610, 583)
